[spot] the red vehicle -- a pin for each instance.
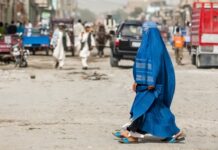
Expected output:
(6, 43)
(204, 34)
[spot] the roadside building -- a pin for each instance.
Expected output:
(20, 10)
(65, 8)
(24, 10)
(3, 10)
(37, 8)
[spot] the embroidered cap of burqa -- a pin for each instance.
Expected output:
(153, 67)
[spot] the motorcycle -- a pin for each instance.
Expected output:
(20, 54)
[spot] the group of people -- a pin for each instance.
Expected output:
(14, 28)
(85, 38)
(84, 41)
(8, 29)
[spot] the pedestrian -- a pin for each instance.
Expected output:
(2, 29)
(154, 85)
(110, 23)
(28, 28)
(101, 40)
(87, 44)
(178, 44)
(12, 28)
(20, 28)
(188, 37)
(60, 43)
(78, 30)
(54, 38)
(6, 28)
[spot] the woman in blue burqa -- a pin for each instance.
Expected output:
(154, 85)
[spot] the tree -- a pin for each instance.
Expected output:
(137, 11)
(119, 15)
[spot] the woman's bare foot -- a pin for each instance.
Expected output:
(179, 135)
(125, 134)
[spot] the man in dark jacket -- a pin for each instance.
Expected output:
(101, 40)
(12, 29)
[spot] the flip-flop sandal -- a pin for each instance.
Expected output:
(118, 134)
(177, 139)
(166, 139)
(127, 141)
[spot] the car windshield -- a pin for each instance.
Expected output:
(131, 30)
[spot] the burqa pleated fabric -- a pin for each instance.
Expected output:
(153, 67)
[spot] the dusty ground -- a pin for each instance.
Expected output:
(71, 109)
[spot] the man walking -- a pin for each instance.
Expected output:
(101, 40)
(12, 29)
(60, 41)
(78, 30)
(178, 44)
(87, 44)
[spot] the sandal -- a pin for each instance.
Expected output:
(178, 138)
(118, 134)
(166, 139)
(127, 141)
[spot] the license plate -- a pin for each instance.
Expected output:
(27, 45)
(136, 44)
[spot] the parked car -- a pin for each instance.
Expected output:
(6, 43)
(126, 42)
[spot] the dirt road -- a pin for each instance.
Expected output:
(72, 109)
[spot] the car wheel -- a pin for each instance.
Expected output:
(47, 51)
(114, 61)
(193, 59)
(34, 52)
(73, 51)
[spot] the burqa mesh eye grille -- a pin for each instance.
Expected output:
(148, 25)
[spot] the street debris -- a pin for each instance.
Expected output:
(95, 76)
(32, 77)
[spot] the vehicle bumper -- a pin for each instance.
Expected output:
(208, 60)
(124, 54)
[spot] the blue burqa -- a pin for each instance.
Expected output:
(153, 67)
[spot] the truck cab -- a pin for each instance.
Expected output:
(204, 34)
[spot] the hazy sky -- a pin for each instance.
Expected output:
(99, 6)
